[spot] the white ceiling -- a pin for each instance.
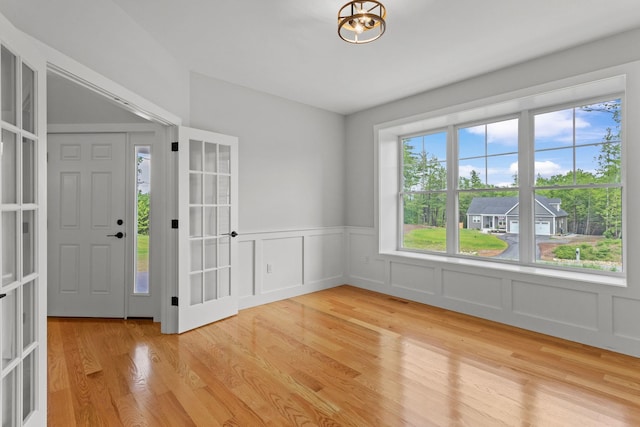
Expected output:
(290, 48)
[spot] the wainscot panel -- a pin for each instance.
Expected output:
(282, 263)
(473, 288)
(564, 306)
(364, 265)
(276, 265)
(625, 318)
(414, 278)
(324, 257)
(246, 268)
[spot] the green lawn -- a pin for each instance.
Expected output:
(471, 241)
(143, 253)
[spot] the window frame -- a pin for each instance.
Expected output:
(572, 92)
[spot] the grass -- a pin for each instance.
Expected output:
(434, 239)
(143, 253)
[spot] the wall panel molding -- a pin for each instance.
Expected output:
(276, 265)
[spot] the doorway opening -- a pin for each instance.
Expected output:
(107, 269)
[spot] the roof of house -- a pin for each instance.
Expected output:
(502, 205)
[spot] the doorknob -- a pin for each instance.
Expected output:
(232, 234)
(119, 235)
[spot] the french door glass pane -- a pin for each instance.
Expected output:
(224, 220)
(28, 385)
(224, 286)
(9, 312)
(9, 249)
(196, 255)
(210, 223)
(224, 190)
(28, 314)
(28, 242)
(9, 167)
(9, 392)
(8, 89)
(210, 285)
(224, 159)
(210, 189)
(195, 155)
(28, 171)
(195, 188)
(195, 222)
(224, 252)
(210, 157)
(211, 253)
(28, 99)
(196, 289)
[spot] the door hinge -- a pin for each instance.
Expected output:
(174, 146)
(174, 301)
(174, 223)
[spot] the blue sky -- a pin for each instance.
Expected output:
(496, 143)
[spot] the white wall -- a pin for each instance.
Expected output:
(601, 315)
(99, 35)
(291, 187)
(291, 155)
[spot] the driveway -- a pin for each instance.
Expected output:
(512, 252)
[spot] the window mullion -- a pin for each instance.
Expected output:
(452, 186)
(526, 181)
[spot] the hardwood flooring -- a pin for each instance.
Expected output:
(341, 357)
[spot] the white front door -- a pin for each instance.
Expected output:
(208, 218)
(87, 224)
(23, 328)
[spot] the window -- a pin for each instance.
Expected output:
(487, 178)
(578, 175)
(424, 195)
(563, 209)
(143, 205)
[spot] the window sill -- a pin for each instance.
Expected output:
(597, 279)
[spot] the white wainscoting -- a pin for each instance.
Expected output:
(600, 315)
(284, 264)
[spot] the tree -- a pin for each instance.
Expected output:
(423, 175)
(143, 213)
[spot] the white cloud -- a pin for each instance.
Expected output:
(558, 125)
(547, 169)
(465, 170)
(504, 132)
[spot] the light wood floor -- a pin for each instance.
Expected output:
(341, 357)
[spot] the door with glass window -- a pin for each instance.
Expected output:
(208, 200)
(23, 217)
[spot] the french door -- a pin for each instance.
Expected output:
(22, 232)
(207, 213)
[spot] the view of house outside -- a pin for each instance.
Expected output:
(577, 201)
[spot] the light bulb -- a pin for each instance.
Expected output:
(359, 28)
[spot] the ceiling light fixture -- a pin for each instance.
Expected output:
(361, 21)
